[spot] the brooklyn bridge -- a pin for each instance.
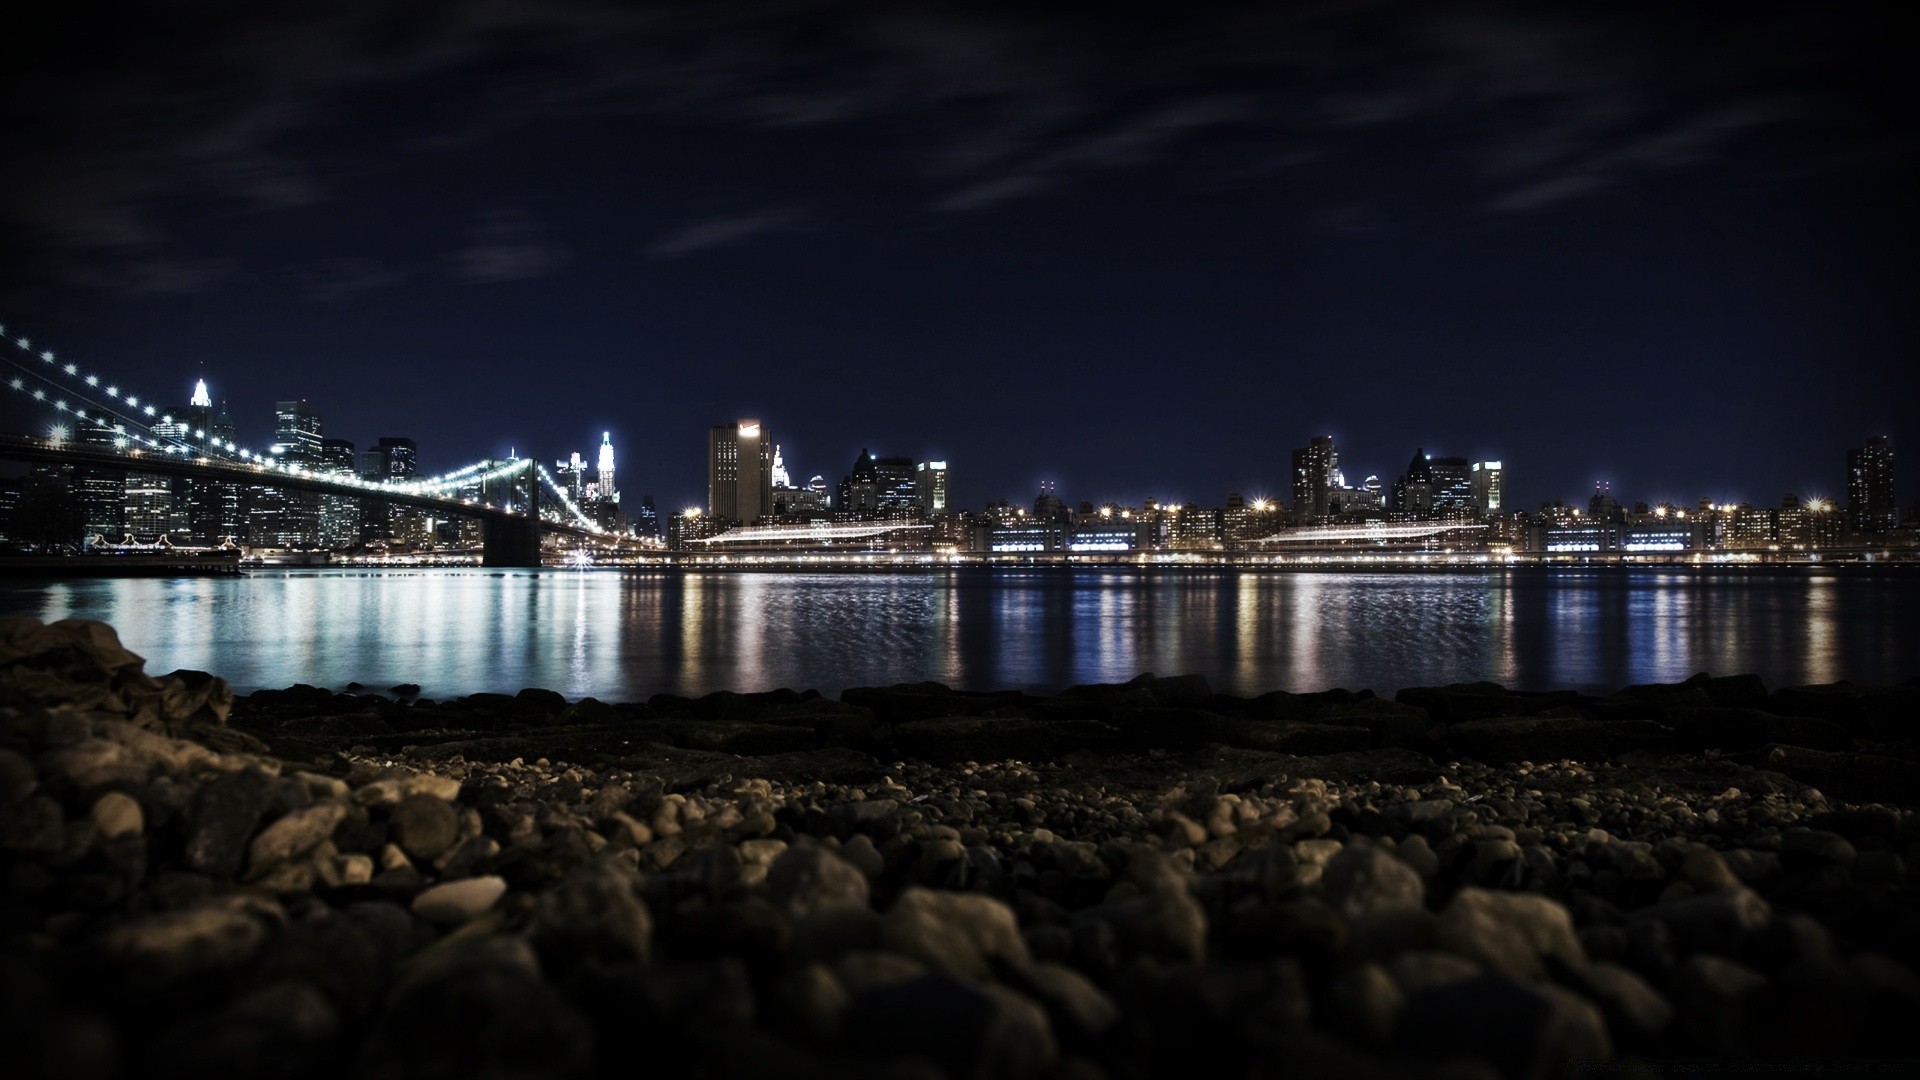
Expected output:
(96, 423)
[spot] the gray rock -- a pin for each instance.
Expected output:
(456, 902)
(1364, 1003)
(1515, 933)
(117, 816)
(1080, 1010)
(219, 934)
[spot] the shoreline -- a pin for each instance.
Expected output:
(1114, 881)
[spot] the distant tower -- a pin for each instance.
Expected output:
(930, 485)
(607, 491)
(1870, 504)
(201, 399)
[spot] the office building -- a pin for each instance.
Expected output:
(339, 514)
(739, 472)
(1416, 492)
(930, 487)
(603, 472)
(280, 517)
(1870, 493)
(1452, 484)
(1488, 480)
(1313, 467)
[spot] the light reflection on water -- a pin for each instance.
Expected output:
(625, 636)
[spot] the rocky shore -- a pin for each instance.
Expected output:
(910, 881)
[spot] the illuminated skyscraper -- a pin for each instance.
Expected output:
(1313, 467)
(608, 493)
(1870, 495)
(780, 477)
(739, 472)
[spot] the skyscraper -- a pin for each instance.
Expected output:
(339, 514)
(1313, 468)
(739, 472)
(1489, 486)
(1870, 495)
(281, 517)
(930, 485)
(604, 477)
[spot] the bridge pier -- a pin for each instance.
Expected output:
(506, 541)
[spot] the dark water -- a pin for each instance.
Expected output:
(623, 637)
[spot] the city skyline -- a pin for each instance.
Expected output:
(1591, 241)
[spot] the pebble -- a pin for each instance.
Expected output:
(457, 902)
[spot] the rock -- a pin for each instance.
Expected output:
(222, 815)
(1712, 922)
(1631, 1004)
(456, 902)
(1420, 970)
(116, 815)
(1801, 848)
(965, 1030)
(17, 777)
(593, 914)
(1080, 1011)
(293, 836)
(477, 1008)
(1417, 853)
(219, 934)
(1525, 1030)
(1362, 878)
(1364, 1003)
(1515, 933)
(1718, 1002)
(1706, 871)
(964, 933)
(804, 879)
(425, 827)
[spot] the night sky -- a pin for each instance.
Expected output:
(1147, 254)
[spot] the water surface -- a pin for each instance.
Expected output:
(623, 636)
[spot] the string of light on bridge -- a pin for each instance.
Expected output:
(75, 401)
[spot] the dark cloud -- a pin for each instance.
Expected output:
(235, 107)
(723, 232)
(507, 246)
(332, 280)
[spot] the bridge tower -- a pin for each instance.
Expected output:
(514, 541)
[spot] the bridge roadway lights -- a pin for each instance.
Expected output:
(510, 541)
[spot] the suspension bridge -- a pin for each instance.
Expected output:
(130, 432)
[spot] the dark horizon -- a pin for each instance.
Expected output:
(1144, 256)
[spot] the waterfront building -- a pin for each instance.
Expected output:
(1870, 491)
(1751, 528)
(1591, 537)
(150, 514)
(930, 487)
(1603, 506)
(1027, 537)
(689, 525)
(1242, 521)
(1313, 467)
(739, 472)
(1488, 483)
(1808, 524)
(101, 493)
(1048, 506)
(1195, 527)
